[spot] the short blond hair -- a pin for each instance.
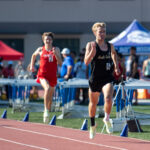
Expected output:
(98, 24)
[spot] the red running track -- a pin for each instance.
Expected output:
(18, 135)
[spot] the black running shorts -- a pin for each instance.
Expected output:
(97, 85)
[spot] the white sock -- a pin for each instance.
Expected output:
(46, 110)
(106, 116)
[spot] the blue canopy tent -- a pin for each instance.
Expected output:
(134, 35)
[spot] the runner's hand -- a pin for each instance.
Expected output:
(55, 51)
(31, 68)
(117, 70)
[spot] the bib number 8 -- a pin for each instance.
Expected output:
(108, 66)
(50, 58)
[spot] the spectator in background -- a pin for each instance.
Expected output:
(132, 68)
(67, 68)
(132, 64)
(1, 61)
(1, 71)
(83, 51)
(146, 68)
(122, 74)
(81, 71)
(8, 72)
(73, 55)
(19, 69)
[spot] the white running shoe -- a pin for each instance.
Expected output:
(108, 125)
(46, 117)
(92, 132)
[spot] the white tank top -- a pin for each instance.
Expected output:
(147, 69)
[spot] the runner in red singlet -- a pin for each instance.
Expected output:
(48, 60)
(47, 74)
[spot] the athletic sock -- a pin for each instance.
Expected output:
(46, 110)
(106, 116)
(92, 121)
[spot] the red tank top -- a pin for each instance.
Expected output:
(48, 64)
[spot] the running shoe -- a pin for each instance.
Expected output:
(108, 125)
(46, 117)
(92, 132)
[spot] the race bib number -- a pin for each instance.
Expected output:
(108, 66)
(50, 58)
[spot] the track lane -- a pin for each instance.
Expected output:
(48, 136)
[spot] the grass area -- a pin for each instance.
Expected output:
(77, 123)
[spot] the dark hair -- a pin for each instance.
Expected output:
(73, 52)
(81, 55)
(48, 34)
(120, 55)
(133, 48)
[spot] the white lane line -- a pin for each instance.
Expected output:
(61, 137)
(42, 124)
(36, 147)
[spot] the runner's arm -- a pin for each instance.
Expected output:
(90, 52)
(114, 58)
(57, 54)
(37, 52)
